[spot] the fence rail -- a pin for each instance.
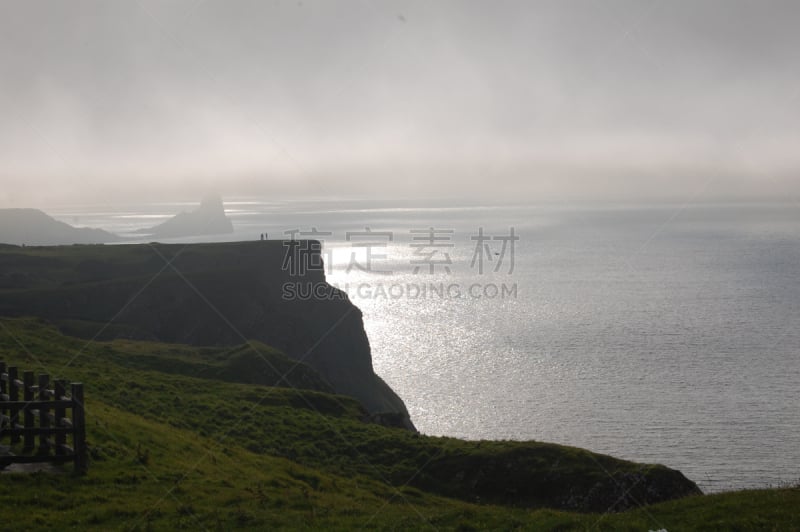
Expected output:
(30, 409)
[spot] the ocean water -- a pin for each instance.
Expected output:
(658, 333)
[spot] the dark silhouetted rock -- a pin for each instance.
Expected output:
(217, 295)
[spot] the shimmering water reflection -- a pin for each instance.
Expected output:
(651, 333)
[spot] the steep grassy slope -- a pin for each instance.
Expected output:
(189, 482)
(173, 451)
(330, 432)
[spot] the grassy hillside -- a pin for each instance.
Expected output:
(181, 439)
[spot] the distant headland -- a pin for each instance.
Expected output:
(32, 227)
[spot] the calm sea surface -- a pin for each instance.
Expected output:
(654, 333)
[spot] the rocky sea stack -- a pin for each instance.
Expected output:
(208, 219)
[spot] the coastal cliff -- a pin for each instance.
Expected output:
(215, 345)
(203, 295)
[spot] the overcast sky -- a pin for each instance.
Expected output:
(487, 100)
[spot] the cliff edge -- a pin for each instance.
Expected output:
(221, 294)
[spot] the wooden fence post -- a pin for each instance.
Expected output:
(42, 412)
(13, 394)
(44, 415)
(60, 389)
(27, 384)
(3, 398)
(79, 429)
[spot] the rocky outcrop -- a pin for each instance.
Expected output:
(205, 294)
(536, 474)
(32, 227)
(208, 219)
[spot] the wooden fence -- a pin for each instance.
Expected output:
(31, 410)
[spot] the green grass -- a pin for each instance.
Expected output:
(180, 439)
